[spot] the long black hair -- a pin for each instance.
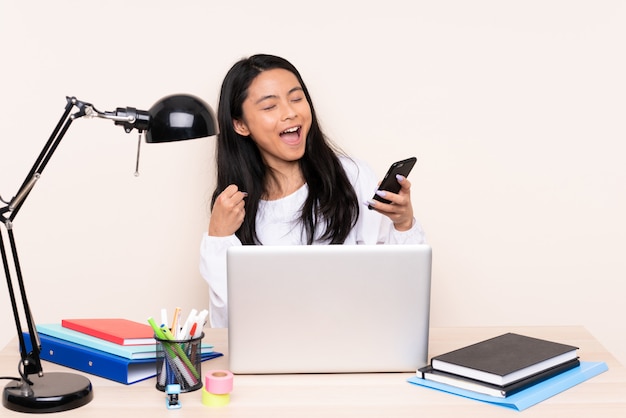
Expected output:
(331, 203)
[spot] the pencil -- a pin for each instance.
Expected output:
(174, 327)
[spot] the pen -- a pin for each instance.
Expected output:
(164, 316)
(194, 347)
(184, 331)
(200, 321)
(157, 330)
(202, 317)
(174, 327)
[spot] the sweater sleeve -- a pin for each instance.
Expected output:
(213, 270)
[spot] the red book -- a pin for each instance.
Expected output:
(116, 330)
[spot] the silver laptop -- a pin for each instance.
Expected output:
(328, 308)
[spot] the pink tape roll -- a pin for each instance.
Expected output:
(219, 382)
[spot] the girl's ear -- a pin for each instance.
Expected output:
(240, 127)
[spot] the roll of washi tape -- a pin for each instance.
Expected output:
(212, 399)
(219, 382)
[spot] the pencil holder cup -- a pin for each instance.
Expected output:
(179, 361)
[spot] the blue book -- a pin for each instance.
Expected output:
(530, 396)
(132, 352)
(96, 362)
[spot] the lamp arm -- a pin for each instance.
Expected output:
(130, 118)
(40, 163)
(30, 361)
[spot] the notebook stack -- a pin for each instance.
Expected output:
(501, 366)
(113, 348)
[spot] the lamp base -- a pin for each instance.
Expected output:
(53, 392)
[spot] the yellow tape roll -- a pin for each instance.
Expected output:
(211, 399)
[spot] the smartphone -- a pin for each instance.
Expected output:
(390, 183)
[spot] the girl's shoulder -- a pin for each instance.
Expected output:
(357, 170)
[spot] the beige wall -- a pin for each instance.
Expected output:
(515, 110)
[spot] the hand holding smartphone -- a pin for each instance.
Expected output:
(390, 183)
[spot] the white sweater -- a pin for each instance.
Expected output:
(277, 224)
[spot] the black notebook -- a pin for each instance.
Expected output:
(494, 390)
(504, 359)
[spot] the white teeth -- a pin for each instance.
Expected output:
(290, 130)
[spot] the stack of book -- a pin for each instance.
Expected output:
(503, 365)
(510, 370)
(114, 348)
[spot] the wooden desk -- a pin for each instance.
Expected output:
(352, 395)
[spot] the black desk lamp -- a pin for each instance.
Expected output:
(172, 118)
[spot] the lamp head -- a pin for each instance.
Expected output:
(173, 118)
(179, 117)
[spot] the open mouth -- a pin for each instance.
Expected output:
(291, 135)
